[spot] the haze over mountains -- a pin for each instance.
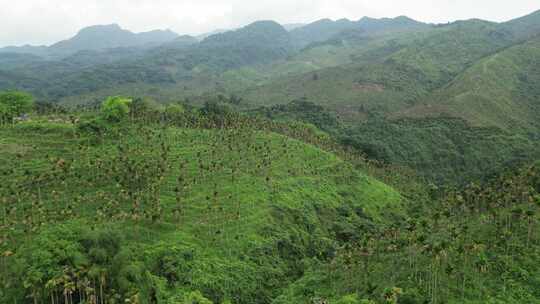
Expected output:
(378, 161)
(483, 73)
(99, 37)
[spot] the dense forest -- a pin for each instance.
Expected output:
(344, 162)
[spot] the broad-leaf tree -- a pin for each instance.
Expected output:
(115, 109)
(13, 104)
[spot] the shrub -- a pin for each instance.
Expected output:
(115, 109)
(13, 104)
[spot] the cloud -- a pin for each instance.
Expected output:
(48, 21)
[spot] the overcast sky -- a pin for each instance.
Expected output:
(47, 21)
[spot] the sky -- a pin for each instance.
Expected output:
(43, 22)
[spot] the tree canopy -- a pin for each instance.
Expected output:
(14, 103)
(115, 108)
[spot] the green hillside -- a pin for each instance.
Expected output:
(231, 213)
(524, 28)
(378, 161)
(406, 69)
(193, 206)
(474, 247)
(499, 90)
(468, 71)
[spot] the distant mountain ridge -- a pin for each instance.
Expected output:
(525, 27)
(257, 43)
(104, 37)
(386, 64)
(98, 37)
(325, 29)
(405, 92)
(112, 36)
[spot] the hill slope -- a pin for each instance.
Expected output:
(500, 90)
(404, 70)
(229, 213)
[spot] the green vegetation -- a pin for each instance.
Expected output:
(499, 90)
(474, 246)
(177, 205)
(445, 150)
(354, 162)
(116, 109)
(13, 104)
(231, 212)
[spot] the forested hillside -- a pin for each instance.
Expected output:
(371, 161)
(372, 73)
(133, 203)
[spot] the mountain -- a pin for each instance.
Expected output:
(372, 161)
(394, 66)
(525, 27)
(260, 32)
(470, 71)
(326, 29)
(27, 49)
(97, 38)
(111, 36)
(203, 36)
(210, 206)
(258, 43)
(239, 206)
(181, 42)
(291, 26)
(391, 73)
(320, 30)
(398, 24)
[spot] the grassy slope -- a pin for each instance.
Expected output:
(497, 91)
(224, 222)
(392, 74)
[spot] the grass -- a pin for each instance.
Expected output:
(496, 91)
(281, 188)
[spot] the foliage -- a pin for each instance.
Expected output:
(302, 110)
(145, 203)
(13, 104)
(445, 150)
(164, 210)
(115, 109)
(472, 246)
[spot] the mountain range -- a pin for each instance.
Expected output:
(374, 161)
(99, 37)
(371, 72)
